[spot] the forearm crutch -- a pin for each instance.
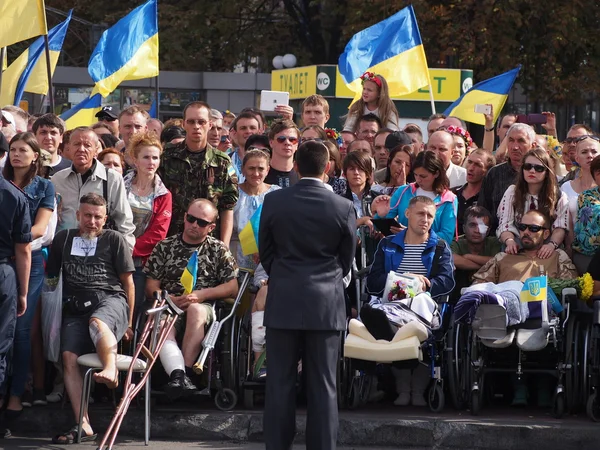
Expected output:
(161, 319)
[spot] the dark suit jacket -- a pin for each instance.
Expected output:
(307, 240)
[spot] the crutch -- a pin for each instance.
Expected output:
(150, 343)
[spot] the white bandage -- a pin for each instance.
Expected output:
(95, 333)
(258, 332)
(171, 357)
(482, 227)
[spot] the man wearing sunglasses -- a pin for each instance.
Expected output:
(534, 230)
(217, 279)
(195, 169)
(283, 139)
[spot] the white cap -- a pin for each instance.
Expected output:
(8, 117)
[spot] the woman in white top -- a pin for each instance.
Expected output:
(536, 188)
(376, 100)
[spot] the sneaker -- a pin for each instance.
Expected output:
(56, 395)
(417, 399)
(403, 399)
(179, 384)
(27, 399)
(260, 374)
(39, 397)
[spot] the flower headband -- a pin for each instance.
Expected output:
(333, 134)
(459, 131)
(370, 76)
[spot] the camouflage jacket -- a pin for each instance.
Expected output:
(190, 175)
(170, 257)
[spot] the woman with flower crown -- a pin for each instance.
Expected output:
(375, 99)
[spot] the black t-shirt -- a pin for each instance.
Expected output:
(463, 205)
(64, 163)
(108, 257)
(281, 179)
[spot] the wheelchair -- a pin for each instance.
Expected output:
(547, 346)
(217, 360)
(590, 367)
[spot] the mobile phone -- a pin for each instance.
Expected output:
(483, 109)
(384, 225)
(532, 119)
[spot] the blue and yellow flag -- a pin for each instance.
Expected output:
(534, 290)
(21, 20)
(127, 51)
(493, 91)
(249, 234)
(190, 274)
(28, 73)
(84, 113)
(391, 48)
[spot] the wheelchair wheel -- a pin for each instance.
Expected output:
(342, 377)
(586, 362)
(558, 405)
(225, 399)
(572, 377)
(459, 337)
(593, 407)
(436, 399)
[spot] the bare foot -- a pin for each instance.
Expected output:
(109, 377)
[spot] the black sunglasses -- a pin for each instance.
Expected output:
(532, 228)
(583, 138)
(201, 222)
(538, 167)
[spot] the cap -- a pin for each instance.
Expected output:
(107, 113)
(8, 118)
(397, 138)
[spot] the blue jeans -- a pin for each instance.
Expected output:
(22, 345)
(139, 281)
(8, 315)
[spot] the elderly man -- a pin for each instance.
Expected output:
(520, 139)
(86, 176)
(217, 279)
(98, 294)
(442, 143)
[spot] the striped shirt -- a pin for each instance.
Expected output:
(412, 261)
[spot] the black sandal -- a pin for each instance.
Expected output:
(70, 437)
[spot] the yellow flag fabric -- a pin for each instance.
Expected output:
(534, 289)
(21, 20)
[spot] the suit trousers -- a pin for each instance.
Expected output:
(320, 350)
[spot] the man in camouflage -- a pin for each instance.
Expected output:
(217, 279)
(194, 169)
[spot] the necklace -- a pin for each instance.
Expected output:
(142, 193)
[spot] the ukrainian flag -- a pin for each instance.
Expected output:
(28, 73)
(391, 48)
(534, 290)
(127, 51)
(84, 114)
(493, 91)
(21, 20)
(190, 274)
(249, 234)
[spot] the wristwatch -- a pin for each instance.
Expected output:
(488, 129)
(554, 243)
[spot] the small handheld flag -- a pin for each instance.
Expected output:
(534, 290)
(190, 274)
(249, 234)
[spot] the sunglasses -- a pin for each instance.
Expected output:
(201, 222)
(282, 139)
(537, 167)
(583, 138)
(532, 228)
(224, 139)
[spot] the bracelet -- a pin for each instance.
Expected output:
(488, 129)
(554, 243)
(508, 239)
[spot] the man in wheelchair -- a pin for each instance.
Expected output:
(418, 252)
(216, 279)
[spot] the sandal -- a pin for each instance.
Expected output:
(69, 437)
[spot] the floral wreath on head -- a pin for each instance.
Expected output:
(334, 135)
(554, 146)
(460, 131)
(370, 76)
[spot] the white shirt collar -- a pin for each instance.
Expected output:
(318, 179)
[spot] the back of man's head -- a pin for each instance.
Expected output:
(311, 159)
(50, 121)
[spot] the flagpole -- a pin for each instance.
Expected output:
(49, 69)
(2, 56)
(157, 99)
(431, 97)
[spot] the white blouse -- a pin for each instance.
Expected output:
(506, 212)
(567, 188)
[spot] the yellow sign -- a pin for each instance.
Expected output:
(300, 82)
(446, 85)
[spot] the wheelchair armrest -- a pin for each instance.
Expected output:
(569, 297)
(596, 314)
(362, 273)
(442, 299)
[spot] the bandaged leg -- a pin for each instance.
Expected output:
(402, 377)
(171, 357)
(419, 381)
(106, 345)
(258, 332)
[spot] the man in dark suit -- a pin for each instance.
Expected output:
(307, 241)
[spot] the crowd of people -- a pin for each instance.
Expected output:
(116, 211)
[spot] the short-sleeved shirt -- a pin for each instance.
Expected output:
(190, 175)
(90, 265)
(15, 228)
(216, 264)
(587, 225)
(491, 247)
(281, 178)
